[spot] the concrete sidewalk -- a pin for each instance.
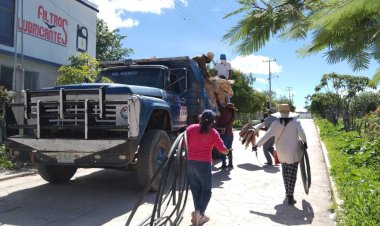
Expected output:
(253, 194)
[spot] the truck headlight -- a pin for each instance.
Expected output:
(124, 112)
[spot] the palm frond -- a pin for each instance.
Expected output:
(360, 62)
(376, 79)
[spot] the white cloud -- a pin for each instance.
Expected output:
(255, 65)
(115, 12)
(262, 80)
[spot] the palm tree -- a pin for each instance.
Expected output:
(345, 29)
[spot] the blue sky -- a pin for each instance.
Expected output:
(169, 28)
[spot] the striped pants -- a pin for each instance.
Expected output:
(289, 175)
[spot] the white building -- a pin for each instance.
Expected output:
(38, 36)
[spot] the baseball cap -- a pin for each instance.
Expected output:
(208, 115)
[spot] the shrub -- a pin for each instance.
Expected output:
(354, 167)
(5, 163)
(238, 124)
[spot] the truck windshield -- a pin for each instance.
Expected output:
(152, 77)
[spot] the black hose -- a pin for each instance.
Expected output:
(171, 197)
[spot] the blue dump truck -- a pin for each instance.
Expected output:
(127, 123)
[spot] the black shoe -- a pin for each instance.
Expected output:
(230, 165)
(291, 200)
(224, 166)
(268, 163)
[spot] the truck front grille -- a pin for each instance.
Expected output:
(71, 113)
(75, 116)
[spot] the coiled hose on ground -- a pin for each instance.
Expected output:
(171, 197)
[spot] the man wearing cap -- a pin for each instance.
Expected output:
(202, 61)
(287, 130)
(223, 68)
(268, 148)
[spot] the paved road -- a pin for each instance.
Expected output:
(250, 194)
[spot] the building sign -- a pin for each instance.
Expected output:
(48, 26)
(82, 38)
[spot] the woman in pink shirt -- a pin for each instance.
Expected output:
(201, 139)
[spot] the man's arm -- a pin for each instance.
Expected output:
(218, 102)
(202, 65)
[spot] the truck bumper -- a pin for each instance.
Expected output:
(81, 153)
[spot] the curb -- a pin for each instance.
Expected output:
(334, 191)
(11, 176)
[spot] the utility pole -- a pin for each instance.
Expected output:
(290, 89)
(270, 83)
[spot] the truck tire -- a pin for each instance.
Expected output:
(154, 147)
(56, 174)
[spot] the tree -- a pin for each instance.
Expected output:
(347, 29)
(345, 87)
(245, 98)
(365, 103)
(81, 68)
(108, 43)
(325, 105)
(284, 100)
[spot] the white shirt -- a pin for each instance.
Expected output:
(287, 145)
(223, 69)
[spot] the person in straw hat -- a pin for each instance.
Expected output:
(202, 61)
(287, 130)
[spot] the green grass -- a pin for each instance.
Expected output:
(355, 169)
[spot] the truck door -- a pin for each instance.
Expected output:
(176, 89)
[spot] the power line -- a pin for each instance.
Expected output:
(211, 14)
(196, 24)
(270, 82)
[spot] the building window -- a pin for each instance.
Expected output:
(31, 80)
(7, 9)
(6, 76)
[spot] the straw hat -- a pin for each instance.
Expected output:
(210, 55)
(284, 112)
(231, 106)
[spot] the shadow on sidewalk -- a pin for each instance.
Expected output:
(219, 177)
(250, 167)
(271, 169)
(290, 215)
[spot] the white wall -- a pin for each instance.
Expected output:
(47, 73)
(45, 53)
(64, 17)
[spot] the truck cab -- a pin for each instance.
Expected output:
(127, 120)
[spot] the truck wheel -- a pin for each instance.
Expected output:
(56, 174)
(154, 147)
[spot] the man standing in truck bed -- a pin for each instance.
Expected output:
(223, 68)
(202, 61)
